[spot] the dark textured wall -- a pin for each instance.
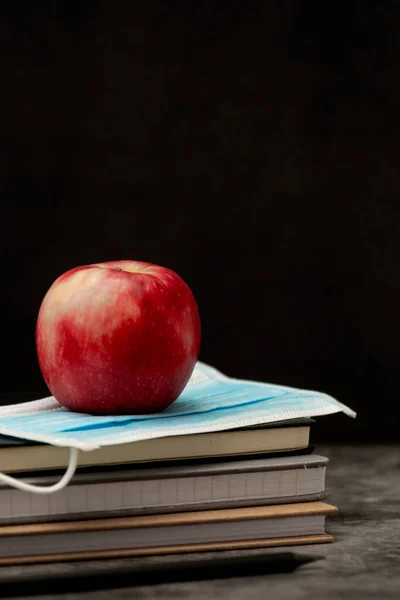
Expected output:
(252, 147)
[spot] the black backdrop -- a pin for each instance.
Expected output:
(253, 147)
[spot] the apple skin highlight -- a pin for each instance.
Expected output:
(119, 337)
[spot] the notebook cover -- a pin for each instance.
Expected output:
(189, 462)
(170, 470)
(7, 441)
(165, 550)
(165, 520)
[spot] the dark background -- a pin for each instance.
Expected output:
(253, 147)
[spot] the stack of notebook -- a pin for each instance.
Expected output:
(253, 487)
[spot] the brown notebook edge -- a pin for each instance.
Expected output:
(171, 519)
(167, 550)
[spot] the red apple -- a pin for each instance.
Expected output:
(120, 337)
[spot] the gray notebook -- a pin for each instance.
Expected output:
(190, 487)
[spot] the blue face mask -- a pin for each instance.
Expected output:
(210, 402)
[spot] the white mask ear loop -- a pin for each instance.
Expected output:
(36, 489)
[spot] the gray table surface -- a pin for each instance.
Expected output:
(362, 563)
